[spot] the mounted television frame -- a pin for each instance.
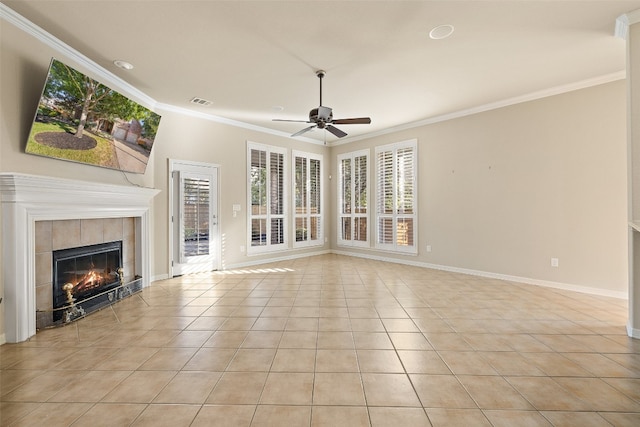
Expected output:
(82, 120)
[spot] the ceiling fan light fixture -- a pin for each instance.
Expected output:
(441, 32)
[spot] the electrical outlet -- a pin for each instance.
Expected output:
(554, 262)
(241, 248)
(428, 248)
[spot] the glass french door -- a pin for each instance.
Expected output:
(195, 232)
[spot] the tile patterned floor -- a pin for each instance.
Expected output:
(331, 341)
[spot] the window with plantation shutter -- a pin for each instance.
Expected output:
(267, 197)
(196, 193)
(353, 198)
(396, 201)
(307, 199)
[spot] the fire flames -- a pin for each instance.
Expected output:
(91, 280)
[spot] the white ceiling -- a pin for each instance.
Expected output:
(250, 57)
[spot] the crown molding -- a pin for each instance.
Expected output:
(231, 122)
(9, 15)
(622, 24)
(557, 90)
(119, 84)
(624, 21)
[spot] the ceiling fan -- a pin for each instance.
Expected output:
(322, 117)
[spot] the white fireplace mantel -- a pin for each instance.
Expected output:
(29, 198)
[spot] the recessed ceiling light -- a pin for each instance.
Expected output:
(277, 108)
(441, 32)
(123, 64)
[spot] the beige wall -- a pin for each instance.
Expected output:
(506, 190)
(501, 191)
(24, 62)
(193, 139)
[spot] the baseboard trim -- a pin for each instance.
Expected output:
(159, 277)
(479, 273)
(270, 260)
(632, 332)
(505, 277)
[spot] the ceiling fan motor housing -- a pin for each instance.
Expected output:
(321, 116)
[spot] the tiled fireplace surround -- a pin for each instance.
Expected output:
(64, 234)
(41, 214)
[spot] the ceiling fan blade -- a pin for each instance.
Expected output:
(305, 130)
(287, 120)
(334, 130)
(352, 121)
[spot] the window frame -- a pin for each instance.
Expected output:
(268, 216)
(353, 215)
(395, 216)
(307, 215)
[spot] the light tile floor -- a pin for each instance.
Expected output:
(331, 341)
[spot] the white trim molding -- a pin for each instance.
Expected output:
(26, 199)
(234, 123)
(489, 275)
(101, 74)
(533, 96)
(274, 259)
(9, 15)
(119, 84)
(624, 21)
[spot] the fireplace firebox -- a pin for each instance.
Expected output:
(83, 277)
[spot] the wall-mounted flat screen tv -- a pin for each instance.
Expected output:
(82, 120)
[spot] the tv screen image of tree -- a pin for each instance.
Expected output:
(82, 120)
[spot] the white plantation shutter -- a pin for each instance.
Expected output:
(307, 199)
(267, 197)
(353, 173)
(277, 198)
(315, 197)
(396, 216)
(345, 233)
(258, 199)
(195, 196)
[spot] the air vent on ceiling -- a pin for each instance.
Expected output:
(201, 102)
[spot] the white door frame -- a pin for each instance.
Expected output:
(175, 165)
